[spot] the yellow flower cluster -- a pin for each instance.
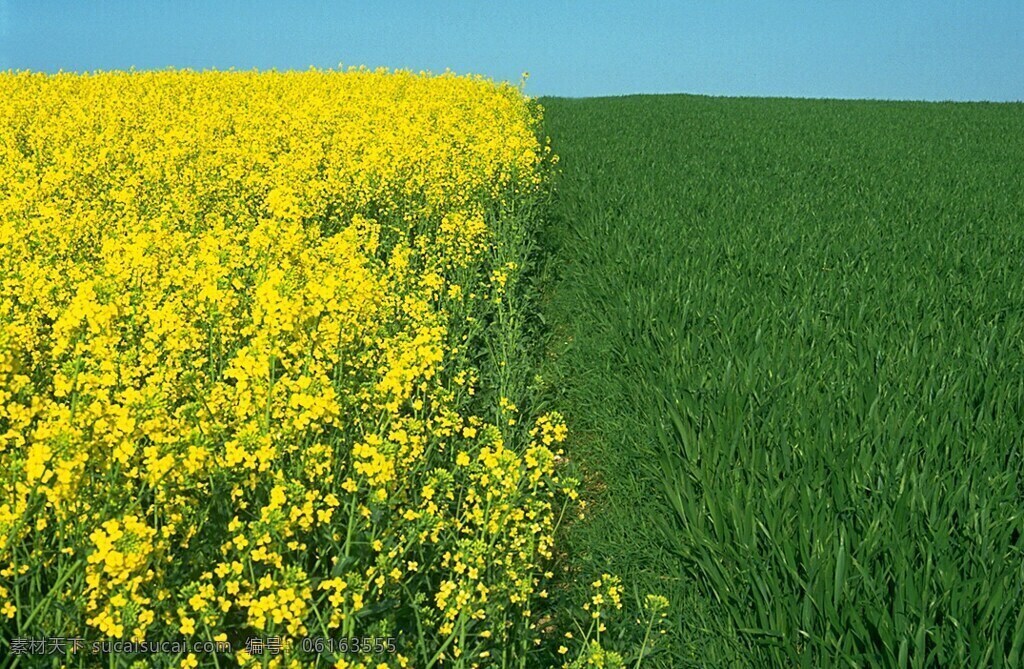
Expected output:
(234, 386)
(117, 575)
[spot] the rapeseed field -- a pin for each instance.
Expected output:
(259, 368)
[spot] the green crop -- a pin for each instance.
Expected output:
(797, 328)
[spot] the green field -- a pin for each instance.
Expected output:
(788, 336)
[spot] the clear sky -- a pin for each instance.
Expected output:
(893, 49)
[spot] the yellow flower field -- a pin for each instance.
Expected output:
(239, 387)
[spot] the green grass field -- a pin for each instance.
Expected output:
(788, 337)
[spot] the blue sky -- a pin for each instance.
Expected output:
(892, 49)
